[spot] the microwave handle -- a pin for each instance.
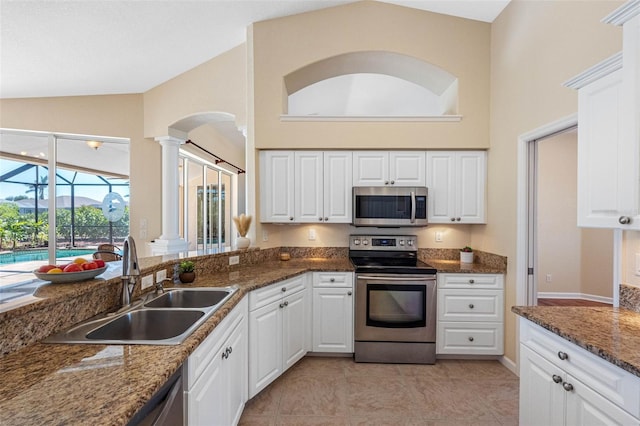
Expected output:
(413, 207)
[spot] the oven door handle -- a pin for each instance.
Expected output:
(373, 277)
(413, 207)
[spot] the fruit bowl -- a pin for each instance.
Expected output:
(70, 277)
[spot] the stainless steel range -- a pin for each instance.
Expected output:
(395, 306)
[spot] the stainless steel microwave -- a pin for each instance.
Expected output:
(392, 206)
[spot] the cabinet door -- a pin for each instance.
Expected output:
(294, 328)
(604, 191)
(407, 168)
(236, 371)
(587, 407)
(308, 187)
(441, 203)
(207, 399)
(338, 178)
(276, 186)
(542, 399)
(470, 187)
(333, 320)
(265, 347)
(370, 168)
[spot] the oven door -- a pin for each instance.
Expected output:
(395, 308)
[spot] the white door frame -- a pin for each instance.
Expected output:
(522, 288)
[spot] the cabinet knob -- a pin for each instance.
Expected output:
(453, 219)
(457, 219)
(349, 293)
(393, 182)
(230, 349)
(556, 378)
(333, 280)
(286, 303)
(386, 182)
(471, 306)
(472, 281)
(320, 218)
(624, 220)
(563, 355)
(567, 386)
(471, 339)
(283, 289)
(281, 305)
(326, 219)
(290, 217)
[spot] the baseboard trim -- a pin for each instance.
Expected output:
(509, 364)
(584, 296)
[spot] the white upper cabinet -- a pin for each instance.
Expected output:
(306, 186)
(609, 132)
(385, 168)
(456, 181)
(276, 186)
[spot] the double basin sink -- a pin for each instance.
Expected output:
(165, 319)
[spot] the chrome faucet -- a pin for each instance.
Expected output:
(130, 269)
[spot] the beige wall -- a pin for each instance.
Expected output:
(631, 245)
(535, 46)
(580, 260)
(218, 85)
(111, 115)
(281, 46)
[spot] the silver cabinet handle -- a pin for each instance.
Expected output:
(556, 378)
(471, 339)
(471, 306)
(563, 355)
(624, 220)
(567, 386)
(283, 289)
(349, 293)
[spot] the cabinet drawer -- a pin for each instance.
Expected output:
(618, 386)
(469, 338)
(275, 292)
(471, 281)
(333, 279)
(470, 305)
(209, 348)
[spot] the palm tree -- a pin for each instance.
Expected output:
(39, 187)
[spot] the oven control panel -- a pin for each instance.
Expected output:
(383, 242)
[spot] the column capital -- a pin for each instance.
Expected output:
(168, 140)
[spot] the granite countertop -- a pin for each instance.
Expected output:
(107, 384)
(610, 333)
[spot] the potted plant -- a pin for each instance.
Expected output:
(186, 271)
(466, 255)
(243, 222)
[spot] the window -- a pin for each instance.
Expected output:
(205, 204)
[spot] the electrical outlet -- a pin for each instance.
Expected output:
(234, 260)
(147, 281)
(548, 278)
(439, 237)
(265, 235)
(312, 234)
(161, 275)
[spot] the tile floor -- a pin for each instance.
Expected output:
(338, 391)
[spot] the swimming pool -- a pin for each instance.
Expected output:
(31, 255)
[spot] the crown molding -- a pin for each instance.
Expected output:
(624, 13)
(596, 72)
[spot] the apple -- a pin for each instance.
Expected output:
(89, 266)
(100, 263)
(73, 267)
(62, 266)
(46, 268)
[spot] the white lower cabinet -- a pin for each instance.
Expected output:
(216, 373)
(563, 384)
(333, 312)
(470, 314)
(279, 330)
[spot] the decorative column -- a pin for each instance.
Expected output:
(169, 241)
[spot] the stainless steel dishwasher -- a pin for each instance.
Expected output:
(166, 407)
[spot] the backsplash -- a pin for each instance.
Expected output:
(630, 297)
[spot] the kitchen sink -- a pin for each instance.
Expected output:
(165, 319)
(189, 298)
